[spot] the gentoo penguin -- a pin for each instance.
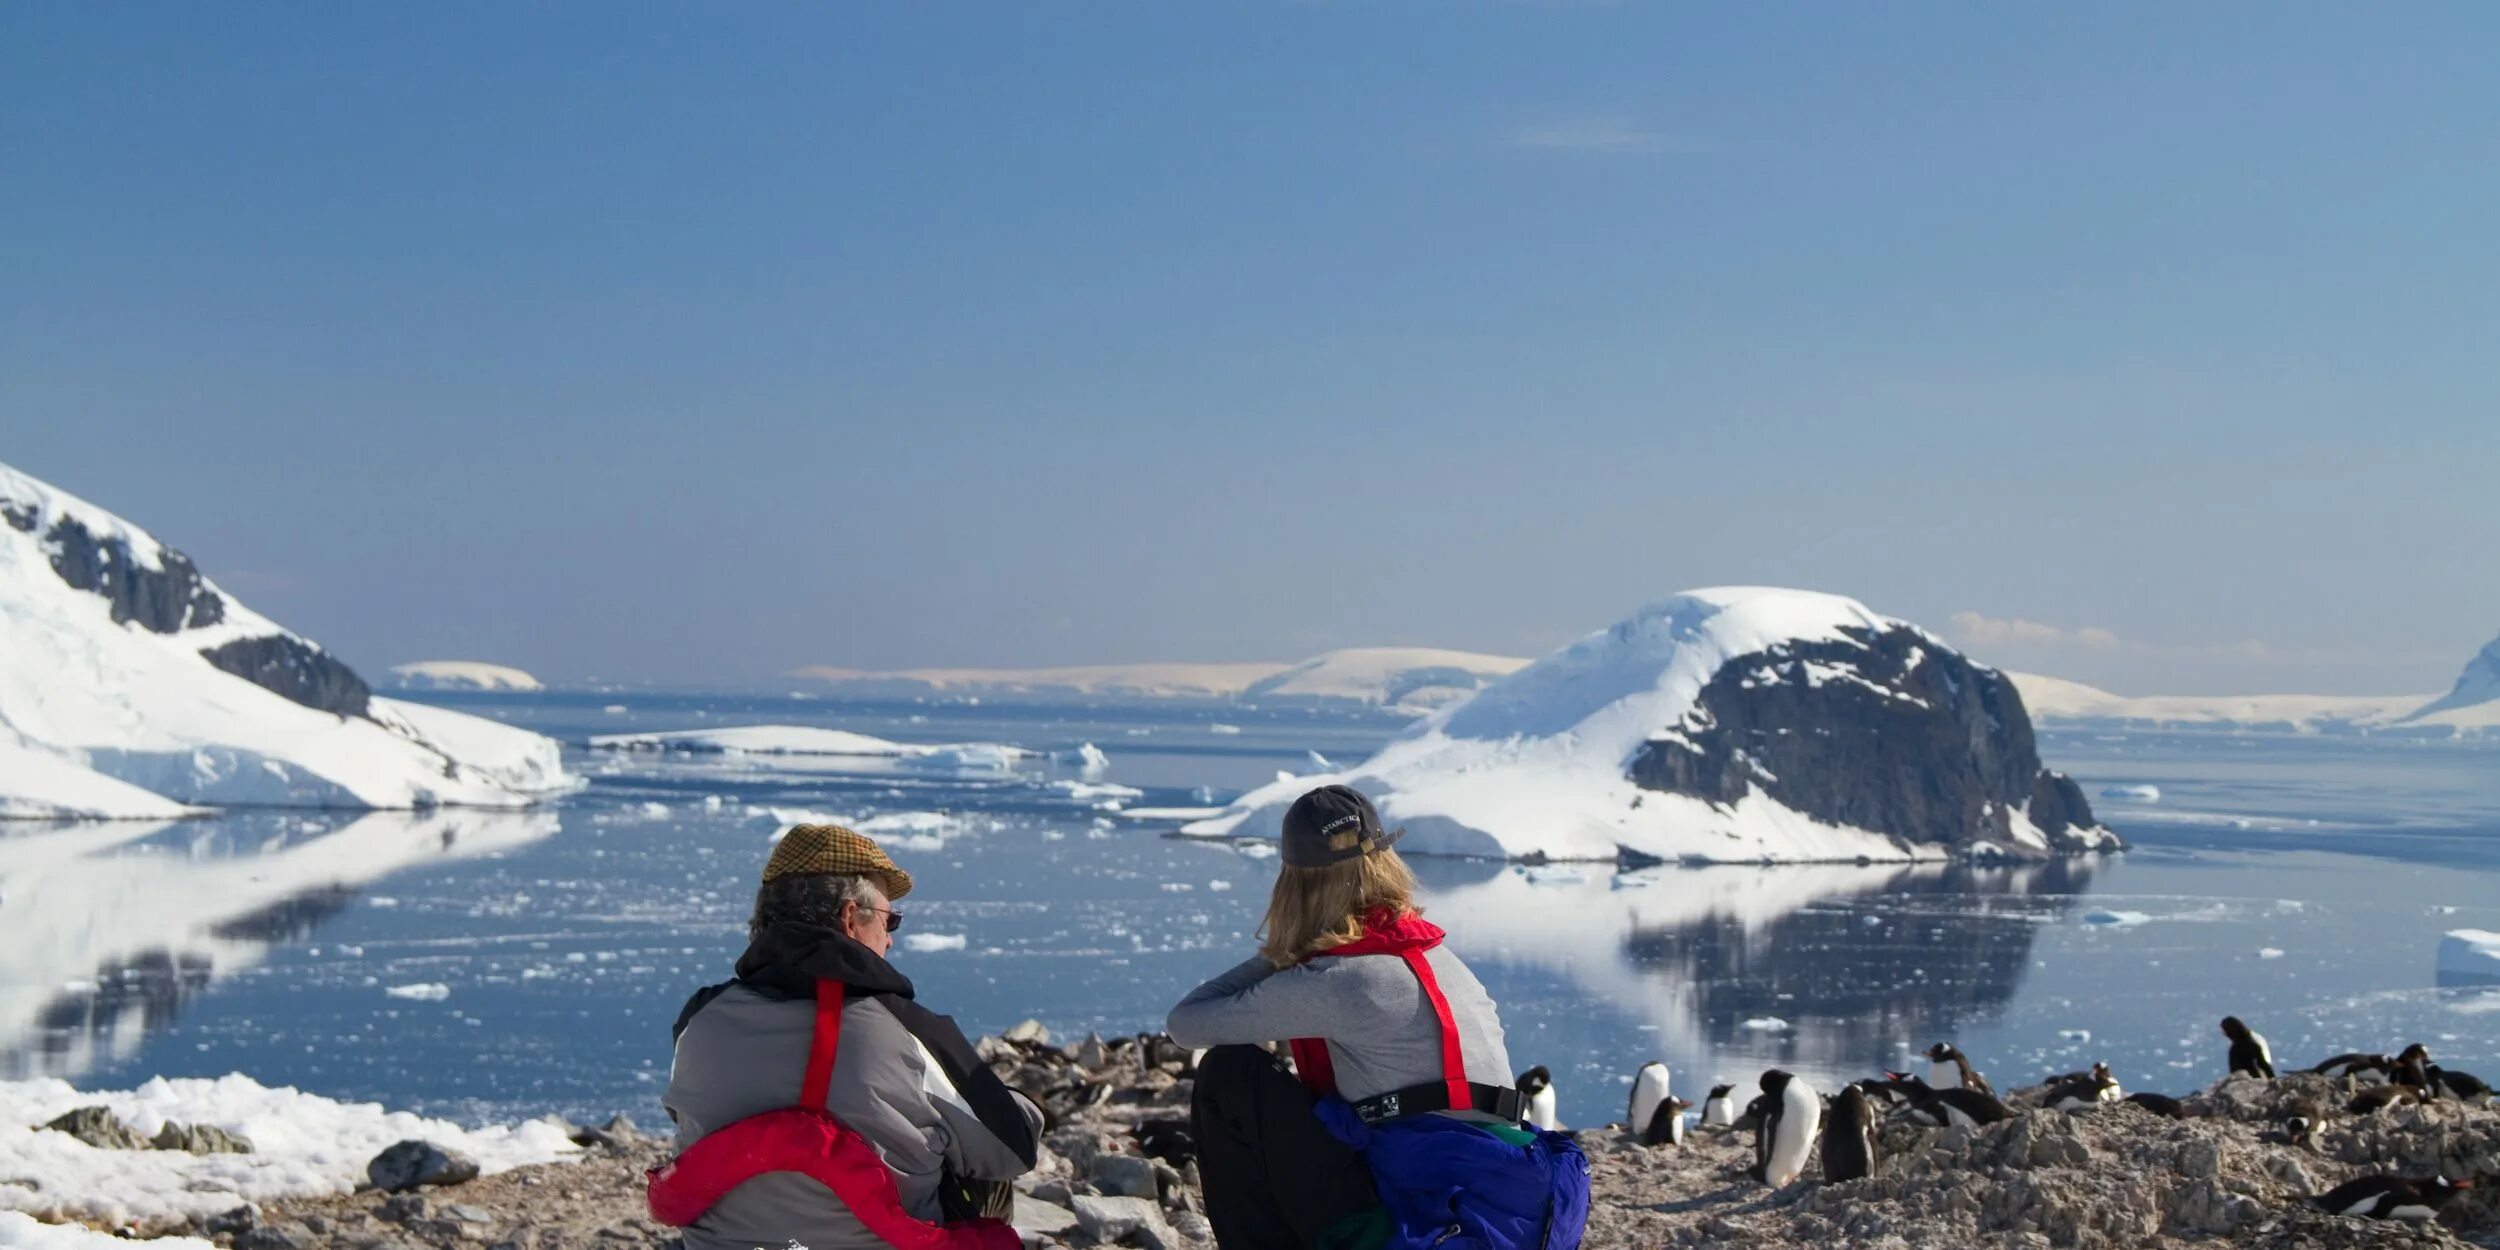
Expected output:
(2248, 1049)
(1786, 1139)
(2301, 1131)
(2092, 1091)
(1718, 1110)
(2354, 1064)
(2465, 1087)
(2159, 1104)
(1666, 1125)
(1750, 1120)
(1849, 1149)
(1538, 1085)
(1967, 1108)
(2391, 1197)
(2413, 1071)
(1949, 1068)
(2381, 1097)
(1646, 1117)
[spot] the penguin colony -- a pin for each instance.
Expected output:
(1789, 1117)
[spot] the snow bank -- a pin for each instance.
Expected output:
(20, 1231)
(2141, 794)
(1536, 763)
(461, 675)
(114, 680)
(2469, 957)
(303, 1145)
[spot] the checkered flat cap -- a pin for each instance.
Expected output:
(838, 851)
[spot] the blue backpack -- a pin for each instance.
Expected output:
(1452, 1185)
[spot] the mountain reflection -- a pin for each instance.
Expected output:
(113, 927)
(1827, 969)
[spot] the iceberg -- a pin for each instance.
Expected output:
(461, 675)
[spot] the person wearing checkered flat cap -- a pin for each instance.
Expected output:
(815, 1002)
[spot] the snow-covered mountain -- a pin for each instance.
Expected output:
(2054, 700)
(1728, 725)
(131, 686)
(1408, 679)
(2474, 702)
(461, 675)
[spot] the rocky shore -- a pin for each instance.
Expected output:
(1119, 1169)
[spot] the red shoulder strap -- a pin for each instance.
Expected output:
(821, 1048)
(1453, 1062)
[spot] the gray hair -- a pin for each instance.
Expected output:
(810, 898)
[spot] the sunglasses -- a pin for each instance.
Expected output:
(893, 918)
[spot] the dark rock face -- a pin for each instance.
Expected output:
(296, 669)
(166, 599)
(1890, 732)
(100, 1128)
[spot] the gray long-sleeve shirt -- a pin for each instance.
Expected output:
(1381, 1032)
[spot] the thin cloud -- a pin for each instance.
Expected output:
(1992, 631)
(1595, 134)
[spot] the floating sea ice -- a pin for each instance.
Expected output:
(430, 992)
(2469, 957)
(1554, 874)
(1219, 886)
(1256, 850)
(2141, 794)
(925, 942)
(1871, 921)
(2269, 952)
(655, 811)
(2118, 919)
(1222, 728)
(1321, 762)
(2074, 1035)
(711, 803)
(614, 709)
(1177, 887)
(1765, 1024)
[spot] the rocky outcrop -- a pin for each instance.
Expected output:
(291, 667)
(1888, 731)
(166, 599)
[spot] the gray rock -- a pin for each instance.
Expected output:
(1123, 1176)
(269, 1237)
(1036, 1218)
(402, 1209)
(234, 1221)
(1134, 1221)
(200, 1139)
(466, 1214)
(415, 1164)
(1030, 1031)
(100, 1128)
(1090, 1054)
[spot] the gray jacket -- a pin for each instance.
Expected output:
(742, 1051)
(1380, 1028)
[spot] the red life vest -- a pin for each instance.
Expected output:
(1406, 937)
(809, 1140)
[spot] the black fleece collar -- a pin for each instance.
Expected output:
(789, 959)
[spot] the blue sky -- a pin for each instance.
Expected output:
(2147, 345)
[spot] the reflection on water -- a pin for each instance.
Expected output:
(1825, 969)
(113, 927)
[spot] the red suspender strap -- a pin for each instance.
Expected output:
(1453, 1063)
(829, 1037)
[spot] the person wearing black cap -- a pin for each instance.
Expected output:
(1387, 1025)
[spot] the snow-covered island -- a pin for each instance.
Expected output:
(461, 675)
(1737, 725)
(1413, 680)
(2470, 708)
(135, 688)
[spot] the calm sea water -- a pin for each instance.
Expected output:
(501, 966)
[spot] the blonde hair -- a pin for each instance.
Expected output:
(1316, 909)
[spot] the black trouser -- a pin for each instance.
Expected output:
(960, 1199)
(1274, 1177)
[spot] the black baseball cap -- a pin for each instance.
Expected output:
(1331, 825)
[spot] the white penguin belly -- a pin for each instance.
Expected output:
(1801, 1113)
